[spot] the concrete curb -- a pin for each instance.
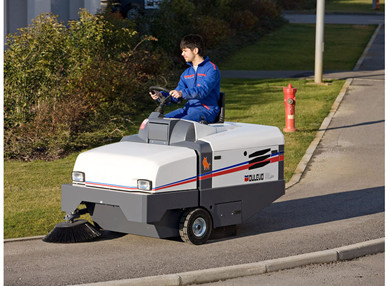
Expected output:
(267, 266)
(23, 238)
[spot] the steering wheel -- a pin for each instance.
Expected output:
(163, 100)
(159, 88)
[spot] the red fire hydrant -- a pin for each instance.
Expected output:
(289, 101)
(376, 5)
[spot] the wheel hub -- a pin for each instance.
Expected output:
(199, 227)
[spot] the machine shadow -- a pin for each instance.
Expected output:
(311, 211)
(354, 125)
(296, 213)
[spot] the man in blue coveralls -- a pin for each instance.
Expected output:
(199, 84)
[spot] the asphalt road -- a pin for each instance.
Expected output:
(350, 19)
(339, 201)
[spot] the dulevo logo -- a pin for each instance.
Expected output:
(254, 177)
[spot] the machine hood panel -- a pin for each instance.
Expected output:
(120, 165)
(240, 136)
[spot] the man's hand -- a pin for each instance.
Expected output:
(155, 95)
(176, 93)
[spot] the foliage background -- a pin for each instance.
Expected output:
(63, 83)
(71, 86)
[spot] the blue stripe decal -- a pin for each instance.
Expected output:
(222, 169)
(277, 154)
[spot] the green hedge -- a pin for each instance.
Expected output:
(68, 87)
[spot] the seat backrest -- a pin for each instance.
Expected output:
(221, 103)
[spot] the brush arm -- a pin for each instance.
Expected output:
(70, 217)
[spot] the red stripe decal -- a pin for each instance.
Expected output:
(189, 76)
(202, 74)
(214, 66)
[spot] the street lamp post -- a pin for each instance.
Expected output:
(319, 43)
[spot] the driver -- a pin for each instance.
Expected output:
(199, 84)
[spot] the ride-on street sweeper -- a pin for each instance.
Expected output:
(174, 178)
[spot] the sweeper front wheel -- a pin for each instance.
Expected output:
(195, 226)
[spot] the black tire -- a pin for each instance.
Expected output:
(195, 226)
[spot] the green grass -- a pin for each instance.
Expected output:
(32, 195)
(32, 192)
(352, 6)
(261, 102)
(293, 48)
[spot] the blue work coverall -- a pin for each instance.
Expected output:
(202, 90)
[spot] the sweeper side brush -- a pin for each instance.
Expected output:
(72, 231)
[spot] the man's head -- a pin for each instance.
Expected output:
(191, 46)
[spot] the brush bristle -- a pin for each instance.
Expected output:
(71, 232)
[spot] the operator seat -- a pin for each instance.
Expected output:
(221, 103)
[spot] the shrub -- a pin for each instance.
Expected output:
(62, 82)
(216, 35)
(297, 4)
(244, 21)
(170, 23)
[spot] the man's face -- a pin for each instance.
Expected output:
(188, 54)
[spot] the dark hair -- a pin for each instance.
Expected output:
(193, 41)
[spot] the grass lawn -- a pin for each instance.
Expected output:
(32, 190)
(352, 6)
(293, 48)
(32, 195)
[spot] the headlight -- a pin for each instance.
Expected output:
(78, 177)
(144, 185)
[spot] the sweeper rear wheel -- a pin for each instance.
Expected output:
(70, 232)
(195, 226)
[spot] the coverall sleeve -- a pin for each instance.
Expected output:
(171, 100)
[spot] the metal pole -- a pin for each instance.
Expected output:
(319, 43)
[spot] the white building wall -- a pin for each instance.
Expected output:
(15, 14)
(37, 7)
(19, 13)
(92, 6)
